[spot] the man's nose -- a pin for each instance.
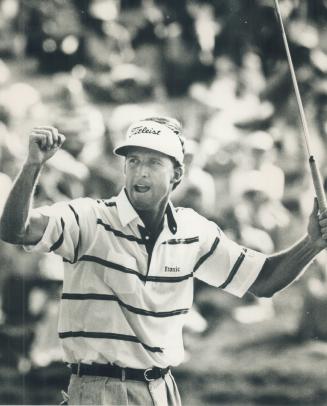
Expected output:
(143, 169)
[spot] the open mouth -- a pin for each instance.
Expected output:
(141, 188)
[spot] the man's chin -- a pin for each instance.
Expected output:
(141, 203)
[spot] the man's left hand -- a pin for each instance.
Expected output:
(317, 228)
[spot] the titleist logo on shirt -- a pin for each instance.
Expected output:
(144, 130)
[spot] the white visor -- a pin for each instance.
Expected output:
(152, 135)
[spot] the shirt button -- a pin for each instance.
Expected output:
(147, 237)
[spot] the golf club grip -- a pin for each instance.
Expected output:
(318, 185)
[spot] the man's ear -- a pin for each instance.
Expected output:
(178, 174)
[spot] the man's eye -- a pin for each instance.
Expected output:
(155, 162)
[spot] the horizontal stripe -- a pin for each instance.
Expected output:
(137, 310)
(118, 233)
(60, 240)
(108, 204)
(169, 279)
(234, 270)
(109, 264)
(143, 278)
(207, 255)
(109, 336)
(176, 241)
(79, 233)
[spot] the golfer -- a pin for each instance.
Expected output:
(130, 262)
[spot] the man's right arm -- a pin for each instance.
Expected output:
(19, 224)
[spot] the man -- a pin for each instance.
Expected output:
(130, 263)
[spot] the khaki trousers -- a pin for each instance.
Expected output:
(98, 390)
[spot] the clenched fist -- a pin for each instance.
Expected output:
(317, 228)
(44, 142)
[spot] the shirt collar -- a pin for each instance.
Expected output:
(127, 213)
(171, 217)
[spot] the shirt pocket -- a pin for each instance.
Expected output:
(122, 276)
(178, 259)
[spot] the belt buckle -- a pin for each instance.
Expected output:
(146, 376)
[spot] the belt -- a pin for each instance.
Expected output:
(114, 371)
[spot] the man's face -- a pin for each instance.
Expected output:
(149, 178)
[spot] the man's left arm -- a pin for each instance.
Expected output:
(283, 268)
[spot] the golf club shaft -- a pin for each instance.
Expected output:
(316, 177)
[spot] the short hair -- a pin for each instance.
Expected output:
(174, 125)
(169, 122)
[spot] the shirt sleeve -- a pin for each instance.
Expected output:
(226, 264)
(69, 230)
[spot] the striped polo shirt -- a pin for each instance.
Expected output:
(122, 303)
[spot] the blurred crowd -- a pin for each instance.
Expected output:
(91, 67)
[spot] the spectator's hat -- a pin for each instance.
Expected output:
(153, 135)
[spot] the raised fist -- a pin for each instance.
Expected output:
(44, 142)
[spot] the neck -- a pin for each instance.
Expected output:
(152, 219)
